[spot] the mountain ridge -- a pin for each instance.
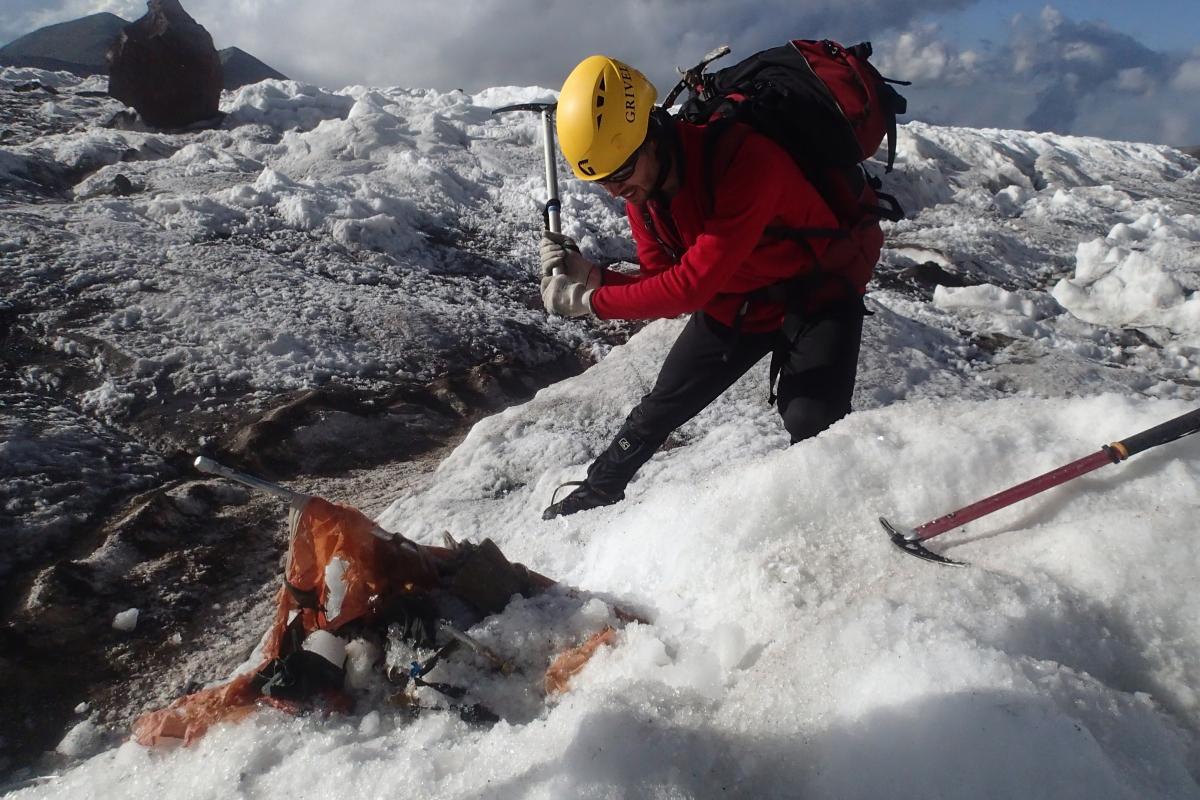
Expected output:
(80, 46)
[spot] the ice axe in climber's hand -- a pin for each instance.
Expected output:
(559, 254)
(553, 208)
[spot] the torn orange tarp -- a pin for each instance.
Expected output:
(340, 568)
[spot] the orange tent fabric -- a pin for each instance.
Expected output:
(350, 570)
(377, 570)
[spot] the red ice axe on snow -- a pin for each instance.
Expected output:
(911, 540)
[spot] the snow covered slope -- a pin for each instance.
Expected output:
(791, 651)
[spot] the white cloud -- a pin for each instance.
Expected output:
(1187, 79)
(919, 55)
(448, 44)
(1179, 128)
(1083, 51)
(1051, 18)
(1052, 73)
(1135, 80)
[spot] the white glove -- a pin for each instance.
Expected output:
(566, 297)
(561, 256)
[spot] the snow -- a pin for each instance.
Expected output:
(125, 620)
(1148, 287)
(789, 650)
(84, 739)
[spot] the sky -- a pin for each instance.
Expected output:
(1123, 70)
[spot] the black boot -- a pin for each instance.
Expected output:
(583, 498)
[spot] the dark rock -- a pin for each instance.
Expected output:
(122, 186)
(930, 273)
(992, 343)
(165, 66)
(33, 86)
(126, 120)
(243, 69)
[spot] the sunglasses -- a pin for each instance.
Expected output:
(625, 171)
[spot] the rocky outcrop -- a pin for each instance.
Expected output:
(242, 69)
(165, 66)
(81, 46)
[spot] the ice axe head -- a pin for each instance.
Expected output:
(552, 209)
(908, 541)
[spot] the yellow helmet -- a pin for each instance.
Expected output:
(603, 113)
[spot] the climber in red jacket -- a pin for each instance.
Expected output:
(715, 223)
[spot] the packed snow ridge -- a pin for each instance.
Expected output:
(790, 650)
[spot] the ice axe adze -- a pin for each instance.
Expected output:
(911, 540)
(553, 208)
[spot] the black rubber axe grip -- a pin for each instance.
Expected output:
(1168, 431)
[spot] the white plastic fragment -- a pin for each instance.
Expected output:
(327, 646)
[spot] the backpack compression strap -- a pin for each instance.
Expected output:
(894, 103)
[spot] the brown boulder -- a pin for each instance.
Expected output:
(164, 65)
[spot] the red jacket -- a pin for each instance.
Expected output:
(724, 253)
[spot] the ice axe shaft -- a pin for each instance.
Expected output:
(910, 540)
(553, 206)
(491, 655)
(1041, 483)
(205, 464)
(295, 499)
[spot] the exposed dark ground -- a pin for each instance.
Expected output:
(193, 553)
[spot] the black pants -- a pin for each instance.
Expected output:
(818, 358)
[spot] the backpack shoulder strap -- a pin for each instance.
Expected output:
(652, 227)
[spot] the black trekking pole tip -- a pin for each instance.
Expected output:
(909, 543)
